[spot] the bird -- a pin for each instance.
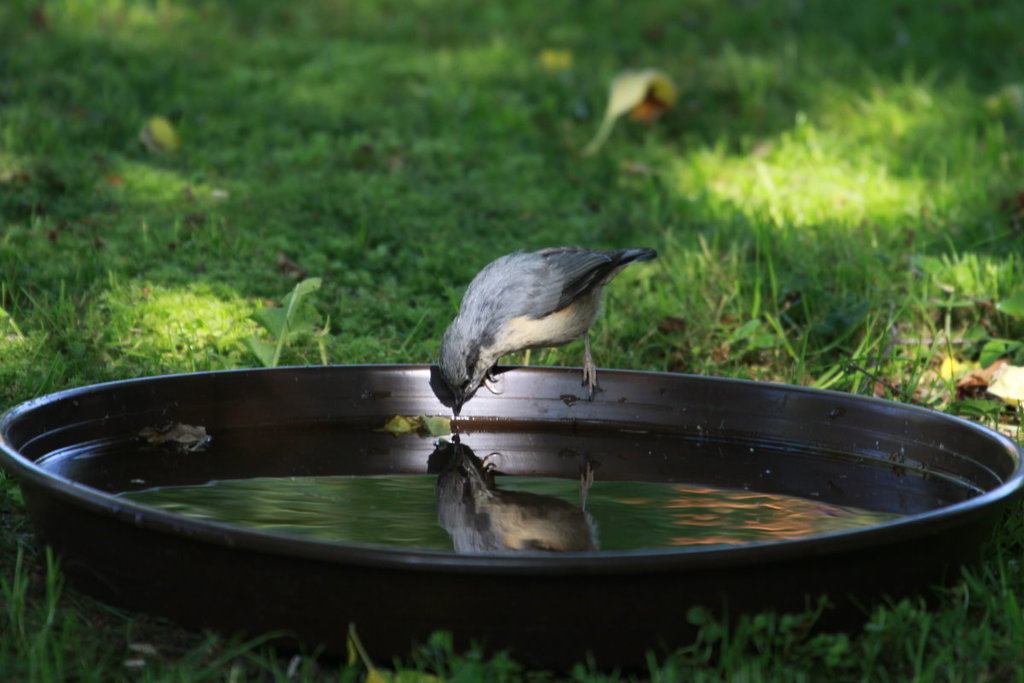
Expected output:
(482, 518)
(525, 301)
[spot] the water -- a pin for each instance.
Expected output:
(403, 511)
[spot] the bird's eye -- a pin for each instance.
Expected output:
(465, 383)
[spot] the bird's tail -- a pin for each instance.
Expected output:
(624, 256)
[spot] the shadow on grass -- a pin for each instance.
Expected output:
(393, 149)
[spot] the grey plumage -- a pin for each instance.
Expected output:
(481, 518)
(525, 301)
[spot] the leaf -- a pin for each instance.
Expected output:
(272, 318)
(976, 407)
(354, 644)
(976, 381)
(995, 349)
(744, 331)
(555, 60)
(187, 438)
(5, 316)
(287, 322)
(262, 350)
(631, 90)
(1014, 306)
(953, 368)
(401, 424)
(436, 426)
(288, 266)
(1008, 384)
(158, 135)
(645, 95)
(420, 424)
(762, 340)
(305, 287)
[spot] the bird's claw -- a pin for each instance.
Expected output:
(493, 384)
(589, 369)
(586, 481)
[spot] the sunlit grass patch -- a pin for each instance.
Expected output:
(174, 329)
(837, 201)
(881, 154)
(144, 182)
(798, 180)
(124, 20)
(27, 366)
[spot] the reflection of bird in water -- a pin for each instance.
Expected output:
(481, 518)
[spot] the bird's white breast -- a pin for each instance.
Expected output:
(560, 327)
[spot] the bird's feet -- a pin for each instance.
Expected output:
(490, 461)
(586, 481)
(493, 383)
(589, 369)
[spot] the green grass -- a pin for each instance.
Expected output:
(835, 194)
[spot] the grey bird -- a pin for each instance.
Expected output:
(528, 301)
(482, 518)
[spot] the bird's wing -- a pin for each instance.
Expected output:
(571, 272)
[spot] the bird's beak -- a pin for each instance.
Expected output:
(457, 405)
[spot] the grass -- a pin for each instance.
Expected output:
(835, 194)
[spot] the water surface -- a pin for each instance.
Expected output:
(402, 510)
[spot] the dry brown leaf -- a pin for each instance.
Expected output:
(645, 95)
(975, 382)
(1008, 384)
(187, 438)
(289, 267)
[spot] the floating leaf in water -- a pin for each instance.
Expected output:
(401, 424)
(1008, 384)
(187, 438)
(158, 135)
(437, 426)
(424, 425)
(645, 95)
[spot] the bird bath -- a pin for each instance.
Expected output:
(271, 500)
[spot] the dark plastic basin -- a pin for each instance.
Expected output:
(948, 478)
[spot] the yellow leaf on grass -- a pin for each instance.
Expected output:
(1008, 384)
(952, 368)
(555, 60)
(645, 95)
(158, 135)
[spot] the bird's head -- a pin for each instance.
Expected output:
(462, 364)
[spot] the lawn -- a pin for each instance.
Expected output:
(837, 199)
